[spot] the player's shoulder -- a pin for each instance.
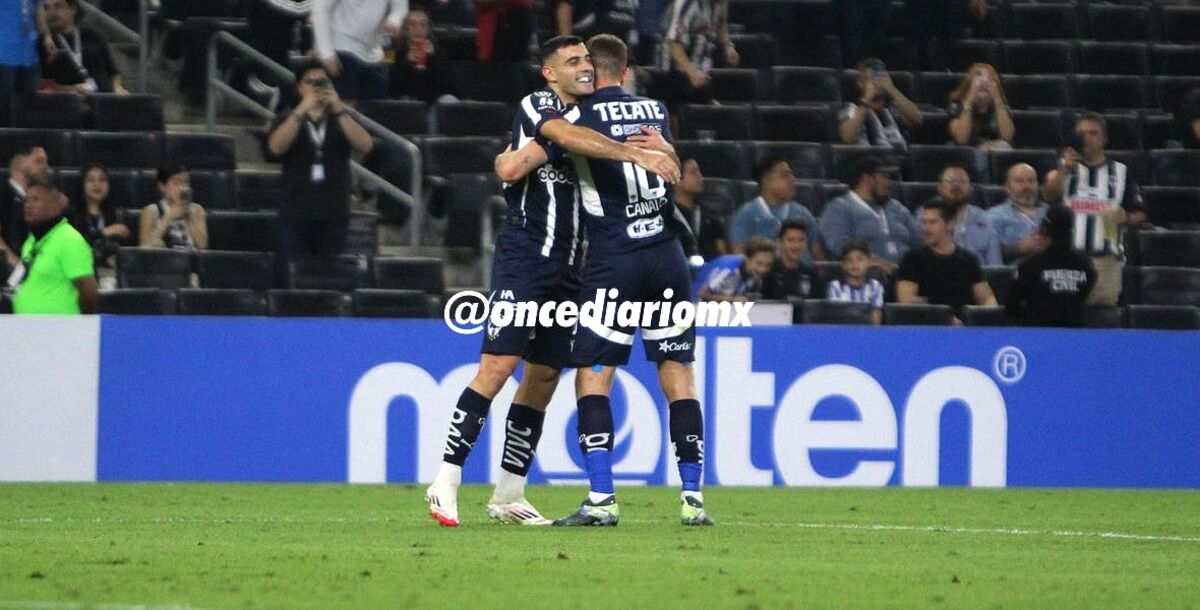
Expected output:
(542, 98)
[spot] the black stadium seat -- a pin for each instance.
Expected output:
(309, 304)
(132, 188)
(807, 159)
(738, 85)
(116, 112)
(221, 302)
(1170, 92)
(957, 56)
(756, 50)
(1124, 130)
(895, 314)
(1045, 21)
(721, 196)
(138, 302)
(59, 144)
(229, 269)
(937, 86)
(405, 117)
(489, 81)
(409, 273)
(1116, 22)
(1162, 285)
(1163, 317)
(1168, 206)
(979, 315)
(1110, 92)
(153, 268)
(798, 84)
(927, 162)
(914, 194)
(1114, 58)
(933, 130)
(1103, 317)
(1037, 129)
(1038, 57)
(1158, 129)
(717, 122)
(445, 156)
(1181, 24)
(127, 150)
(474, 118)
(214, 189)
(202, 150)
(820, 311)
(1176, 60)
(1164, 248)
(51, 111)
(717, 159)
(1042, 91)
(1000, 279)
(1135, 160)
(1176, 167)
(378, 303)
(344, 273)
(258, 189)
(245, 231)
(794, 123)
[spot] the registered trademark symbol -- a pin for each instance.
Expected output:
(1009, 364)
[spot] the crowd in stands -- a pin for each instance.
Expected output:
(941, 98)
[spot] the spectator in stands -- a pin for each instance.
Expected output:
(872, 120)
(1017, 219)
(1104, 197)
(347, 37)
(707, 237)
(692, 32)
(973, 229)
(174, 221)
(315, 141)
(1190, 133)
(81, 61)
(97, 221)
(868, 213)
(586, 18)
(979, 108)
(503, 29)
(56, 275)
(854, 285)
(22, 25)
(792, 275)
(420, 72)
(776, 203)
(1051, 287)
(940, 272)
(735, 277)
(28, 164)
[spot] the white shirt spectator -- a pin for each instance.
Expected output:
(354, 26)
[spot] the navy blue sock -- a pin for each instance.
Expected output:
(522, 432)
(596, 441)
(687, 435)
(465, 423)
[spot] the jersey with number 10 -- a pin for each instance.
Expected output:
(625, 207)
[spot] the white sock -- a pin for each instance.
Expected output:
(596, 497)
(692, 494)
(509, 487)
(449, 474)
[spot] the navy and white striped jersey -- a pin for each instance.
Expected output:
(543, 207)
(1092, 191)
(871, 292)
(625, 207)
(695, 25)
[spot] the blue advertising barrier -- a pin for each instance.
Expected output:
(230, 399)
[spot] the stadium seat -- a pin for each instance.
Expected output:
(1158, 129)
(934, 129)
(895, 314)
(463, 200)
(227, 269)
(153, 268)
(1175, 60)
(309, 304)
(979, 315)
(1103, 317)
(362, 234)
(1042, 160)
(843, 158)
(1102, 93)
(936, 87)
(1169, 206)
(221, 302)
(474, 118)
(820, 311)
(807, 160)
(1170, 92)
(131, 188)
(59, 144)
(115, 112)
(405, 117)
(258, 189)
(1037, 129)
(1176, 167)
(801, 84)
(1124, 130)
(1163, 317)
(243, 231)
(1162, 285)
(1114, 58)
(445, 156)
(992, 195)
(379, 303)
(721, 196)
(738, 85)
(1119, 22)
(927, 162)
(1164, 248)
(1038, 57)
(120, 150)
(718, 159)
(901, 54)
(1044, 91)
(202, 150)
(1000, 279)
(489, 81)
(214, 189)
(957, 56)
(409, 273)
(756, 50)
(717, 122)
(45, 110)
(1045, 21)
(1135, 160)
(139, 302)
(458, 44)
(914, 194)
(345, 273)
(1181, 24)
(794, 123)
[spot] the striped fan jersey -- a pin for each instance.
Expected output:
(871, 292)
(1092, 191)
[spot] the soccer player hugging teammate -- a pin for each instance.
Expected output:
(537, 254)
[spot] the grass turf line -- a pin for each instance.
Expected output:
(223, 546)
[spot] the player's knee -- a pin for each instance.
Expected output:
(494, 371)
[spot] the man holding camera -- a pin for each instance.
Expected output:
(872, 120)
(1103, 195)
(315, 141)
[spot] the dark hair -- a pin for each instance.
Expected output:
(307, 65)
(856, 246)
(758, 244)
(1094, 117)
(792, 225)
(609, 54)
(1058, 224)
(39, 182)
(550, 47)
(72, 3)
(24, 149)
(941, 207)
(765, 166)
(87, 167)
(867, 166)
(169, 170)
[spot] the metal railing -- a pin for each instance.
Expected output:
(140, 38)
(216, 86)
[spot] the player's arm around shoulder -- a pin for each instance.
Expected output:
(589, 143)
(513, 165)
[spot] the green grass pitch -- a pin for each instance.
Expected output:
(340, 546)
